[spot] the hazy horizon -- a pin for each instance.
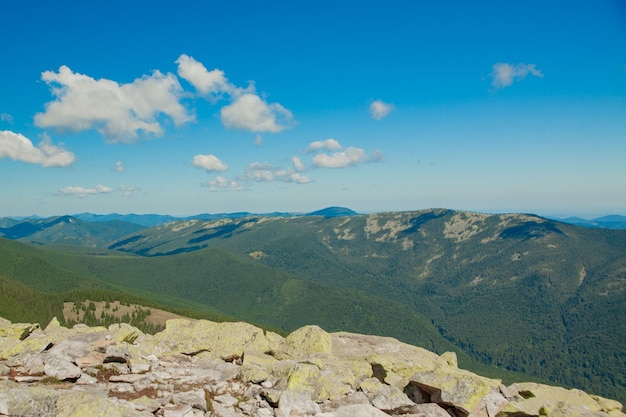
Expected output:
(555, 214)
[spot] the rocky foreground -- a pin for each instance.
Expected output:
(202, 368)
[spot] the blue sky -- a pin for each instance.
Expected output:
(194, 107)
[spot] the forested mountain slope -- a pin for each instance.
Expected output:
(511, 290)
(66, 230)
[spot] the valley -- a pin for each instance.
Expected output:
(516, 294)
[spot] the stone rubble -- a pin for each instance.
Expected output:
(198, 368)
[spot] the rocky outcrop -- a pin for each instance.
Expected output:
(199, 368)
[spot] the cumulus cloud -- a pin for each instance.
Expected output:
(259, 172)
(328, 144)
(206, 82)
(380, 110)
(19, 148)
(119, 166)
(209, 162)
(340, 158)
(250, 112)
(246, 111)
(76, 191)
(124, 112)
(258, 141)
(505, 74)
(297, 164)
(6, 117)
(223, 184)
(118, 111)
(128, 190)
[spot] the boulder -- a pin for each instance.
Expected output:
(457, 388)
(16, 331)
(60, 368)
(224, 340)
(293, 403)
(384, 397)
(306, 341)
(322, 379)
(393, 356)
(537, 399)
(360, 410)
(20, 400)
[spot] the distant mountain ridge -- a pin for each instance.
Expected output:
(151, 220)
(612, 221)
(67, 230)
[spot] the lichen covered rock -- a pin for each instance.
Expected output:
(200, 368)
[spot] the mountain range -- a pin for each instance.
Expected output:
(613, 221)
(514, 292)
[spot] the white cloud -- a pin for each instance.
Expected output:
(328, 144)
(223, 184)
(82, 192)
(504, 74)
(6, 117)
(342, 159)
(297, 164)
(246, 111)
(266, 172)
(380, 109)
(209, 162)
(206, 82)
(19, 148)
(258, 141)
(128, 190)
(290, 176)
(119, 166)
(117, 111)
(250, 112)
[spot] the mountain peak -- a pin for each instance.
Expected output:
(333, 211)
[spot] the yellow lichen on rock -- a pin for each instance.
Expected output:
(306, 340)
(538, 399)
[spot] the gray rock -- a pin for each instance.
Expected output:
(119, 388)
(195, 398)
(129, 378)
(60, 368)
(360, 410)
(384, 397)
(297, 404)
(426, 410)
(77, 346)
(351, 399)
(86, 380)
(17, 400)
(178, 411)
(227, 400)
(220, 410)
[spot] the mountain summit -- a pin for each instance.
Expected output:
(333, 212)
(203, 368)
